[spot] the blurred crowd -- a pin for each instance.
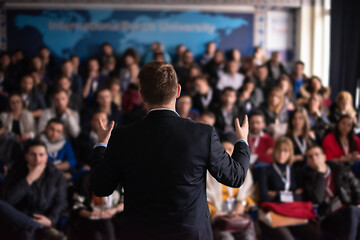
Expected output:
(304, 147)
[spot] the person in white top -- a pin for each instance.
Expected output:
(69, 117)
(231, 78)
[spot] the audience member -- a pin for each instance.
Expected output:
(183, 107)
(274, 108)
(230, 78)
(342, 145)
(259, 56)
(18, 120)
(336, 191)
(318, 121)
(214, 66)
(275, 67)
(206, 97)
(59, 149)
(67, 70)
(250, 97)
(342, 105)
(260, 143)
(285, 84)
(279, 182)
(95, 218)
(208, 54)
(227, 111)
(298, 130)
(94, 80)
(313, 86)
(35, 192)
(61, 110)
(75, 100)
(298, 77)
(32, 98)
(231, 202)
(207, 117)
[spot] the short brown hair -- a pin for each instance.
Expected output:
(158, 83)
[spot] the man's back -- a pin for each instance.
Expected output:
(162, 162)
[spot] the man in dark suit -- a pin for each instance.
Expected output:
(162, 162)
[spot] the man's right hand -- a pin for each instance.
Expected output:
(104, 132)
(242, 132)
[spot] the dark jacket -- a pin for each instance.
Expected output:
(269, 180)
(197, 103)
(270, 117)
(162, 162)
(346, 184)
(220, 123)
(36, 100)
(46, 196)
(281, 67)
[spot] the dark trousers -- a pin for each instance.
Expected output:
(304, 232)
(15, 224)
(343, 224)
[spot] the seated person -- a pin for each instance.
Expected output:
(231, 78)
(275, 66)
(318, 121)
(298, 131)
(298, 77)
(275, 109)
(336, 191)
(280, 183)
(223, 200)
(58, 147)
(287, 88)
(207, 117)
(227, 111)
(343, 105)
(35, 191)
(183, 107)
(206, 97)
(10, 150)
(32, 98)
(260, 143)
(94, 80)
(263, 81)
(250, 97)
(87, 140)
(18, 120)
(314, 86)
(75, 101)
(95, 218)
(342, 145)
(61, 110)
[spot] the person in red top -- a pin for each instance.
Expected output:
(342, 145)
(260, 143)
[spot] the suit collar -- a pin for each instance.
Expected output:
(162, 112)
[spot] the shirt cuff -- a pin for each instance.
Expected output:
(242, 140)
(100, 145)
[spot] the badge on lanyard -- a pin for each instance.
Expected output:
(335, 204)
(302, 146)
(286, 195)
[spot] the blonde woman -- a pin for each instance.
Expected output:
(343, 105)
(280, 183)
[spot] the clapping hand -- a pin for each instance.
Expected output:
(104, 133)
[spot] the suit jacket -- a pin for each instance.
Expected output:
(162, 162)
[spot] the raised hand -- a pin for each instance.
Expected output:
(104, 133)
(242, 132)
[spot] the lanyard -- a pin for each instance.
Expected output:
(328, 183)
(286, 180)
(302, 146)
